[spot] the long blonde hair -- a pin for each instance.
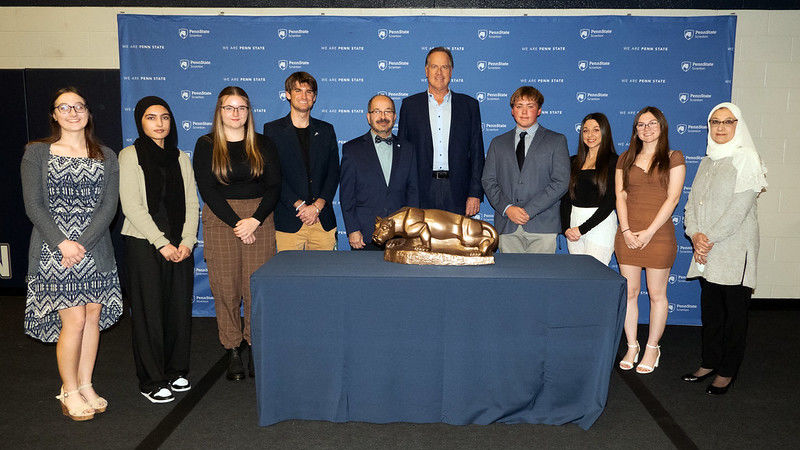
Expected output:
(220, 158)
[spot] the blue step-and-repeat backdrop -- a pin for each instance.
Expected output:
(611, 64)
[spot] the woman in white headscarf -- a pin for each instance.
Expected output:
(722, 222)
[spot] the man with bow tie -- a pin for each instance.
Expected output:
(309, 157)
(378, 175)
(526, 174)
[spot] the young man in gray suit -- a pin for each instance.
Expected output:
(525, 175)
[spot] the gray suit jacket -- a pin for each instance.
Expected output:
(537, 188)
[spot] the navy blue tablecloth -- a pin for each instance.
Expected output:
(346, 336)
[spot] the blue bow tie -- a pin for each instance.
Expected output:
(388, 140)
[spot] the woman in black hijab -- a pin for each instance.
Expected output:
(159, 200)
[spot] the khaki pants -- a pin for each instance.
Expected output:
(312, 237)
(520, 241)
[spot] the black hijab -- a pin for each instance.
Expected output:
(162, 174)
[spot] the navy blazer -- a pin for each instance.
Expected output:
(465, 150)
(537, 188)
(364, 194)
(324, 166)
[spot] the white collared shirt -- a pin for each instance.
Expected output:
(384, 151)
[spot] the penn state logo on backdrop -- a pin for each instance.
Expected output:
(584, 33)
(481, 65)
(480, 96)
(383, 33)
(683, 97)
(282, 95)
(384, 93)
(686, 65)
(582, 65)
(680, 128)
(580, 96)
(187, 125)
(676, 220)
(282, 33)
(482, 34)
(183, 33)
(184, 63)
(688, 34)
(382, 64)
(282, 64)
(483, 126)
(671, 307)
(673, 278)
(577, 127)
(185, 95)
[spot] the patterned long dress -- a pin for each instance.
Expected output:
(75, 186)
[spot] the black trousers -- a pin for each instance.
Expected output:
(160, 295)
(724, 315)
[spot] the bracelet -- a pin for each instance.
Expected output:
(301, 204)
(623, 231)
(315, 207)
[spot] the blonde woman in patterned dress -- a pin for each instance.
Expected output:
(70, 187)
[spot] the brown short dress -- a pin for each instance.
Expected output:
(645, 197)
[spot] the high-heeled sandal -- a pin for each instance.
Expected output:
(628, 365)
(78, 416)
(644, 368)
(99, 404)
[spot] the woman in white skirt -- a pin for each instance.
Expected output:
(587, 209)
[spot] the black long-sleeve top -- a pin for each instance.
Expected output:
(241, 184)
(588, 196)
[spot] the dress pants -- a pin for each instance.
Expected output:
(441, 197)
(160, 294)
(520, 241)
(724, 315)
(230, 264)
(308, 237)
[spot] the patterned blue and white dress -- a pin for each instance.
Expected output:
(75, 186)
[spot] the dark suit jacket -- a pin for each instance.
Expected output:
(364, 194)
(324, 164)
(537, 189)
(465, 150)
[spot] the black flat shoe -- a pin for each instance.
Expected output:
(692, 378)
(714, 390)
(235, 366)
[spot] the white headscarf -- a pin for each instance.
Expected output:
(750, 171)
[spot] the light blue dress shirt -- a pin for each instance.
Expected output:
(384, 151)
(440, 129)
(528, 139)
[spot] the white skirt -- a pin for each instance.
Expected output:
(597, 242)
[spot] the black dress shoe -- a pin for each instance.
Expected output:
(692, 378)
(235, 366)
(251, 367)
(714, 390)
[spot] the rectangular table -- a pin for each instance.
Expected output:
(345, 336)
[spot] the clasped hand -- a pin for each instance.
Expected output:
(572, 234)
(71, 252)
(702, 245)
(517, 215)
(637, 239)
(308, 214)
(245, 228)
(175, 254)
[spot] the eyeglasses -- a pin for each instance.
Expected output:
(64, 108)
(443, 67)
(727, 122)
(378, 112)
(651, 124)
(240, 109)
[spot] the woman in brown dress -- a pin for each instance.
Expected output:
(649, 181)
(239, 180)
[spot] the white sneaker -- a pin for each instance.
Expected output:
(180, 384)
(159, 395)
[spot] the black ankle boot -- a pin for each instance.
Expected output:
(251, 367)
(235, 366)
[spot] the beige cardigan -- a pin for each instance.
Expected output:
(133, 197)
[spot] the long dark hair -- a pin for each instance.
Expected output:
(604, 153)
(93, 144)
(220, 158)
(660, 161)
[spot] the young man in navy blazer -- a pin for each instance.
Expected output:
(309, 157)
(378, 175)
(445, 129)
(526, 174)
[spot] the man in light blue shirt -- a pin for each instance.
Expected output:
(526, 174)
(378, 175)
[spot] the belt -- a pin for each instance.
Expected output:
(441, 174)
